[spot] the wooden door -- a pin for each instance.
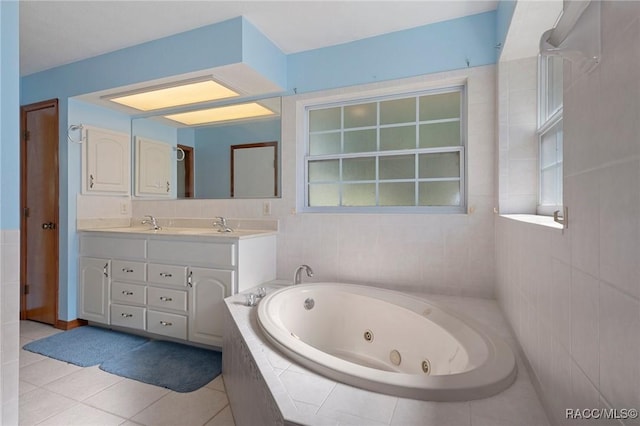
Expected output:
(39, 207)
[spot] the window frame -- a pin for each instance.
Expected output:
(548, 121)
(304, 206)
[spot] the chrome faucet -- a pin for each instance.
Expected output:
(221, 224)
(297, 276)
(153, 221)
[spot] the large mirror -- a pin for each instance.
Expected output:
(235, 158)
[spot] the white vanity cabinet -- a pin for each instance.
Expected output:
(106, 162)
(169, 285)
(208, 289)
(93, 291)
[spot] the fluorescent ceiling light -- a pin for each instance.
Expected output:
(224, 113)
(185, 94)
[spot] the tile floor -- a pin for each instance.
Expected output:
(60, 394)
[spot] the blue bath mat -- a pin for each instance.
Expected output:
(85, 346)
(178, 367)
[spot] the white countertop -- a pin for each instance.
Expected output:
(180, 231)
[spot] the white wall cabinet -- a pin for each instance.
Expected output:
(172, 286)
(106, 162)
(153, 168)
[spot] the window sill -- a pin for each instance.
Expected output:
(535, 219)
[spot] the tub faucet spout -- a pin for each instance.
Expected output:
(297, 276)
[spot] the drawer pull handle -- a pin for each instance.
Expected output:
(166, 324)
(126, 315)
(127, 270)
(165, 299)
(165, 275)
(127, 293)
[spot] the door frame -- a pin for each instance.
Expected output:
(273, 144)
(24, 109)
(188, 167)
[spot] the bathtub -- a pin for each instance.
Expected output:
(385, 341)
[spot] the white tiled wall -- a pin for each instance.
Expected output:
(517, 146)
(573, 298)
(10, 324)
(451, 254)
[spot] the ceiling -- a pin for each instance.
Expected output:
(54, 33)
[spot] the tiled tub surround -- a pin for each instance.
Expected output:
(264, 387)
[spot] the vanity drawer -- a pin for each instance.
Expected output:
(128, 316)
(128, 293)
(165, 298)
(168, 274)
(126, 270)
(192, 252)
(171, 325)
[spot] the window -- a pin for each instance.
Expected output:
(550, 135)
(391, 154)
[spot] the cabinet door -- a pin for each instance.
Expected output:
(153, 168)
(93, 297)
(107, 162)
(208, 289)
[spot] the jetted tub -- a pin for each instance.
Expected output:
(387, 342)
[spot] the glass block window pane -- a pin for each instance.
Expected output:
(324, 143)
(392, 138)
(554, 84)
(397, 194)
(360, 140)
(398, 111)
(360, 115)
(440, 106)
(548, 181)
(398, 167)
(435, 135)
(440, 193)
(359, 169)
(325, 119)
(551, 166)
(327, 195)
(359, 194)
(324, 170)
(439, 165)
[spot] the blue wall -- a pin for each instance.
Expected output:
(213, 153)
(423, 50)
(504, 13)
(9, 117)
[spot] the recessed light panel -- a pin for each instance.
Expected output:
(219, 114)
(186, 94)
